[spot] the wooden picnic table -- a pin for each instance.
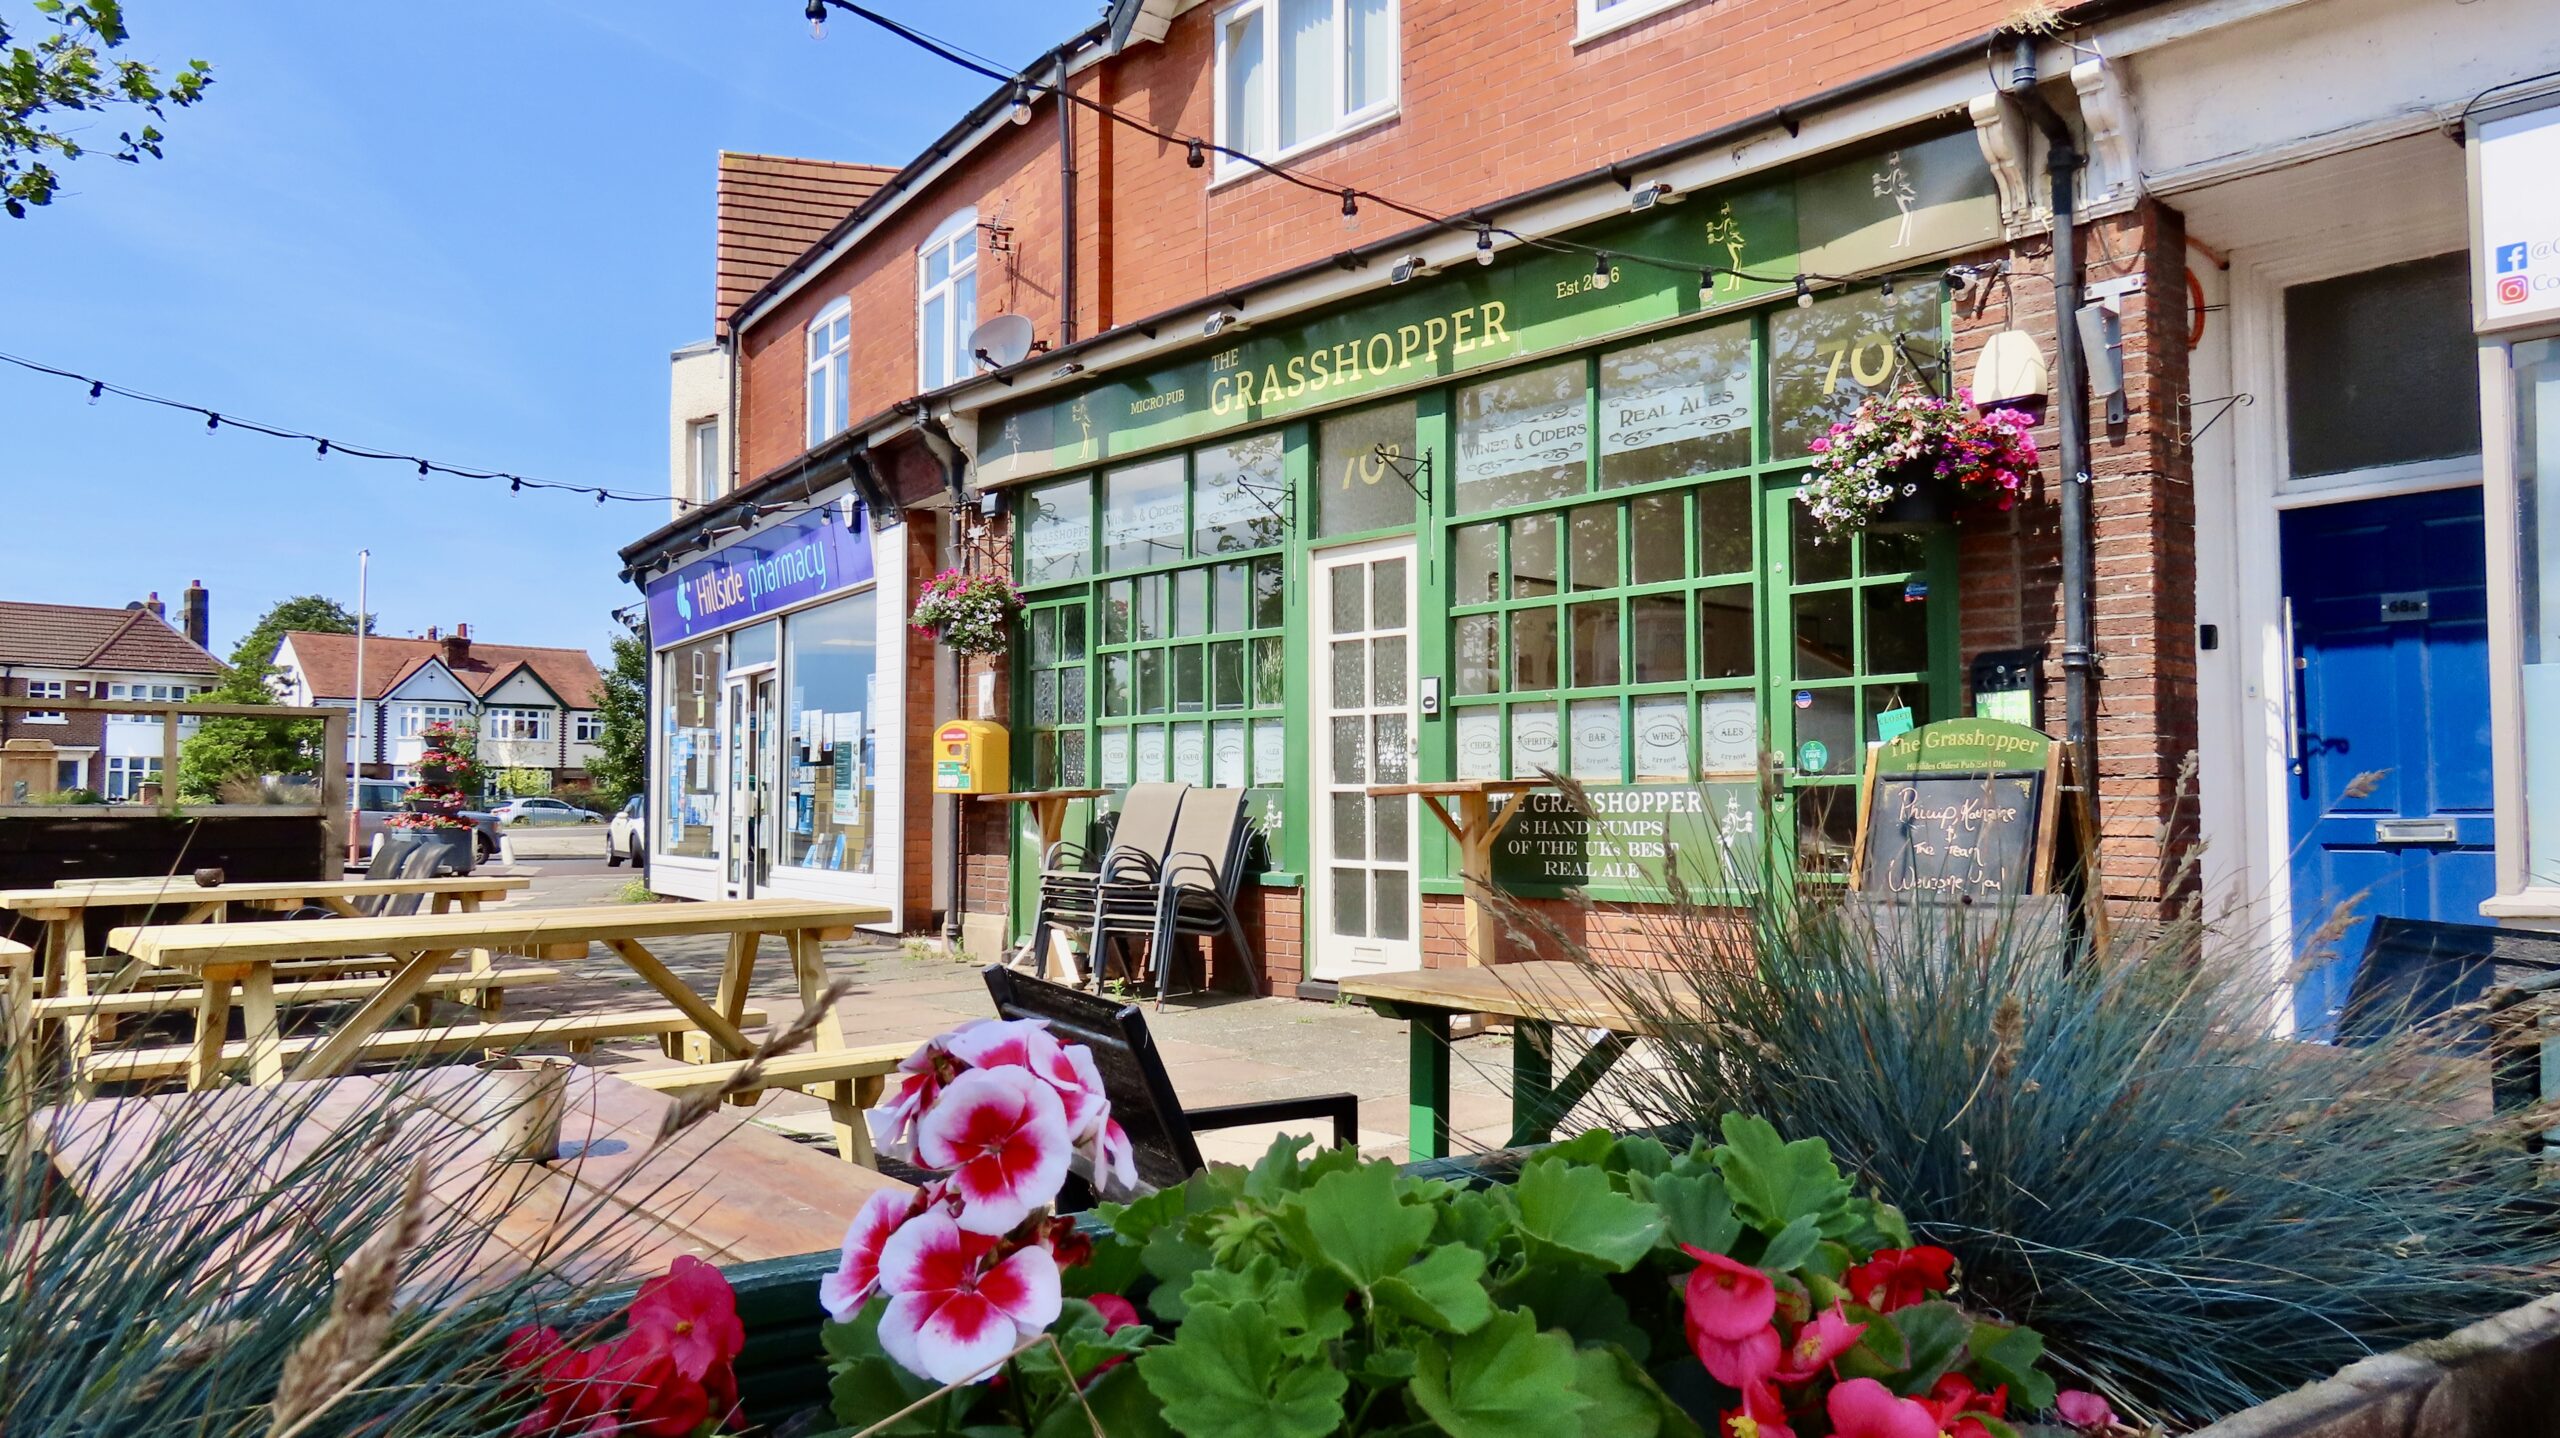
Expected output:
(1476, 825)
(618, 1204)
(1536, 996)
(1048, 806)
(225, 957)
(17, 1034)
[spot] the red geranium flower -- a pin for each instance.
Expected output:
(1900, 1277)
(1003, 1135)
(690, 1314)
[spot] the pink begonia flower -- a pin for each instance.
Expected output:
(858, 1271)
(690, 1313)
(1864, 1408)
(1819, 1343)
(1002, 1134)
(1736, 1363)
(1760, 1416)
(1728, 1300)
(956, 1311)
(2084, 1410)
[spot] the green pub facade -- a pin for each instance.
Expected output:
(1504, 518)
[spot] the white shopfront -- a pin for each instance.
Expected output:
(776, 696)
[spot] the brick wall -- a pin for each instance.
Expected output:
(1496, 100)
(2143, 509)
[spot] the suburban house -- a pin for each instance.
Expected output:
(535, 708)
(79, 652)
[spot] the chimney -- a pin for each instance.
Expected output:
(195, 614)
(158, 609)
(457, 646)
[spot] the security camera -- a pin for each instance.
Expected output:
(1407, 268)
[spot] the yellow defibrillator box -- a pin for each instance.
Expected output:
(969, 757)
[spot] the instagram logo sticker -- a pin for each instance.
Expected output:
(2513, 290)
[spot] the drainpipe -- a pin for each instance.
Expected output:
(955, 478)
(1066, 210)
(2079, 600)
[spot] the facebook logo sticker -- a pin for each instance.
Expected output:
(2511, 258)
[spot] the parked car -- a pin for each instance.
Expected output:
(532, 813)
(378, 799)
(627, 836)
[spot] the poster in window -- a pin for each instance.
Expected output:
(1522, 437)
(1151, 754)
(1598, 726)
(1190, 754)
(1057, 533)
(1662, 737)
(1142, 516)
(1729, 734)
(1237, 496)
(1270, 752)
(1676, 407)
(1115, 758)
(1227, 748)
(1535, 743)
(1480, 743)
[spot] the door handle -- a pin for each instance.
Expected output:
(2292, 693)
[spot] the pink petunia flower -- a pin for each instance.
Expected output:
(956, 1309)
(1864, 1408)
(858, 1271)
(1819, 1344)
(1002, 1134)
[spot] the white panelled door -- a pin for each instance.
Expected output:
(1366, 889)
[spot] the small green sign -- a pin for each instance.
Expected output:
(1813, 756)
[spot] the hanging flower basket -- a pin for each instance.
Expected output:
(971, 613)
(1907, 460)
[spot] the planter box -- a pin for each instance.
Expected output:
(2498, 1377)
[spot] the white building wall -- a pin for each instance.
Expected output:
(697, 389)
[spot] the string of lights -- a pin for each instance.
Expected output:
(1197, 150)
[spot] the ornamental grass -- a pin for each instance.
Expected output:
(2122, 1147)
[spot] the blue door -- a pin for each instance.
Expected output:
(2388, 601)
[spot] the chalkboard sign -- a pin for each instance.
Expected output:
(1959, 812)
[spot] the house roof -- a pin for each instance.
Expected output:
(774, 207)
(328, 663)
(75, 636)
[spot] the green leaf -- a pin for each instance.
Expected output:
(1591, 1146)
(1584, 1304)
(1140, 1218)
(2010, 1355)
(1121, 1402)
(1224, 1373)
(1080, 1331)
(1792, 1246)
(1306, 1308)
(1881, 1351)
(1639, 1154)
(1387, 1367)
(1697, 1212)
(1471, 1217)
(864, 1392)
(1355, 1223)
(1618, 1408)
(1502, 1380)
(1773, 1182)
(1276, 1172)
(1936, 1331)
(1571, 1214)
(1172, 1259)
(1444, 1291)
(1113, 1268)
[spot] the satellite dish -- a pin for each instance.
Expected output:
(1004, 340)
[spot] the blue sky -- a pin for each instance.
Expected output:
(470, 231)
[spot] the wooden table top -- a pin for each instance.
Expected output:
(526, 929)
(618, 1205)
(1449, 788)
(1554, 990)
(13, 953)
(120, 893)
(1033, 796)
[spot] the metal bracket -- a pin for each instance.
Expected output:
(1409, 471)
(2224, 404)
(1262, 494)
(1945, 367)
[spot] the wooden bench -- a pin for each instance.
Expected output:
(332, 990)
(580, 1033)
(849, 1080)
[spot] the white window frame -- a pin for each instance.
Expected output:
(586, 728)
(127, 773)
(1591, 21)
(1267, 14)
(956, 330)
(828, 348)
(515, 724)
(416, 715)
(704, 463)
(154, 694)
(45, 689)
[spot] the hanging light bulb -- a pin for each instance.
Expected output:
(817, 13)
(97, 387)
(1804, 293)
(1707, 285)
(515, 486)
(212, 422)
(1484, 244)
(1600, 273)
(422, 469)
(1888, 287)
(323, 452)
(1021, 106)
(1350, 210)
(1199, 155)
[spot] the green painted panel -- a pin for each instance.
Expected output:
(1630, 838)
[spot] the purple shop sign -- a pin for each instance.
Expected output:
(814, 555)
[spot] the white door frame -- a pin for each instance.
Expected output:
(1329, 956)
(738, 731)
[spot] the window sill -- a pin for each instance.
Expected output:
(31, 718)
(1231, 172)
(2535, 904)
(1637, 14)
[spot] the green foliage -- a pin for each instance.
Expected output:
(620, 767)
(221, 751)
(48, 90)
(2196, 1213)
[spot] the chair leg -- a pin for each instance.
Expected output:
(1244, 946)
